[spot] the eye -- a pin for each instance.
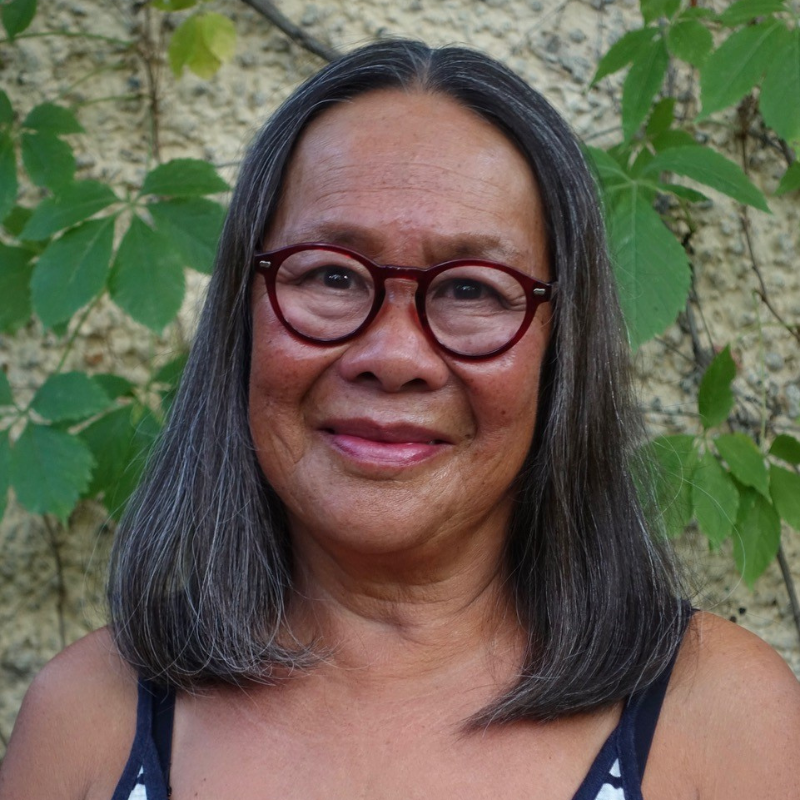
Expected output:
(334, 277)
(466, 290)
(469, 290)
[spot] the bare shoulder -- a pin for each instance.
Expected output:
(738, 705)
(75, 727)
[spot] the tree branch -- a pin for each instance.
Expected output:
(267, 9)
(787, 579)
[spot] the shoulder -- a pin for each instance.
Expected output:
(736, 703)
(76, 725)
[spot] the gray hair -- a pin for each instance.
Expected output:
(202, 564)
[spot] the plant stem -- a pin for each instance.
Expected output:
(147, 52)
(790, 587)
(122, 98)
(74, 335)
(61, 586)
(89, 76)
(267, 9)
(763, 402)
(794, 330)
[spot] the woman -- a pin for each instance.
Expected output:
(390, 545)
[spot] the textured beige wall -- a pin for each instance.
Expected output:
(51, 580)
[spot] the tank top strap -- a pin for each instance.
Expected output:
(639, 721)
(146, 773)
(162, 723)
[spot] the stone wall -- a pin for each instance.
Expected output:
(51, 579)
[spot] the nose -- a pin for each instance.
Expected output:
(395, 352)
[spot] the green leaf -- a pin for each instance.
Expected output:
(17, 15)
(708, 167)
(48, 160)
(690, 41)
(715, 499)
(50, 118)
(780, 93)
(642, 160)
(661, 117)
(684, 192)
(744, 460)
(786, 448)
(16, 220)
(746, 10)
(119, 442)
(696, 12)
(655, 9)
(69, 396)
(193, 226)
(184, 177)
(676, 460)
(784, 488)
(623, 52)
(15, 291)
(170, 376)
(171, 372)
(72, 270)
(675, 138)
(732, 70)
(5, 471)
(147, 280)
(6, 398)
(8, 175)
(608, 169)
(715, 399)
(644, 79)
(757, 536)
(49, 470)
(790, 180)
(202, 43)
(114, 385)
(651, 267)
(74, 203)
(6, 111)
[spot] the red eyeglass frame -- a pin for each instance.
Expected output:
(536, 291)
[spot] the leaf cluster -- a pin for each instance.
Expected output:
(761, 47)
(82, 435)
(724, 481)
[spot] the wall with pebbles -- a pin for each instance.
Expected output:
(51, 579)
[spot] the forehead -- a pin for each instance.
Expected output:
(411, 172)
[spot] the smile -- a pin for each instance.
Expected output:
(398, 444)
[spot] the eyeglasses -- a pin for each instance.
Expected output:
(472, 309)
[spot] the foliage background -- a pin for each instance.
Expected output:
(128, 113)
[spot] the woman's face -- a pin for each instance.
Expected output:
(385, 443)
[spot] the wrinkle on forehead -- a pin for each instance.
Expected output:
(450, 173)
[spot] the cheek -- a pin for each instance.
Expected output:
(286, 376)
(278, 383)
(505, 400)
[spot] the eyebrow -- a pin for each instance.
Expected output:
(443, 247)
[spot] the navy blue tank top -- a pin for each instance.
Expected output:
(616, 773)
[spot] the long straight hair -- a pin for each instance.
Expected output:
(201, 569)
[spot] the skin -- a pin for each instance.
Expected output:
(448, 183)
(400, 558)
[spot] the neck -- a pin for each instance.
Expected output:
(408, 615)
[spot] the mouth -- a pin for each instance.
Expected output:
(393, 444)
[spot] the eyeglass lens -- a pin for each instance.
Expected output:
(471, 309)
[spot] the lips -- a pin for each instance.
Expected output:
(369, 442)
